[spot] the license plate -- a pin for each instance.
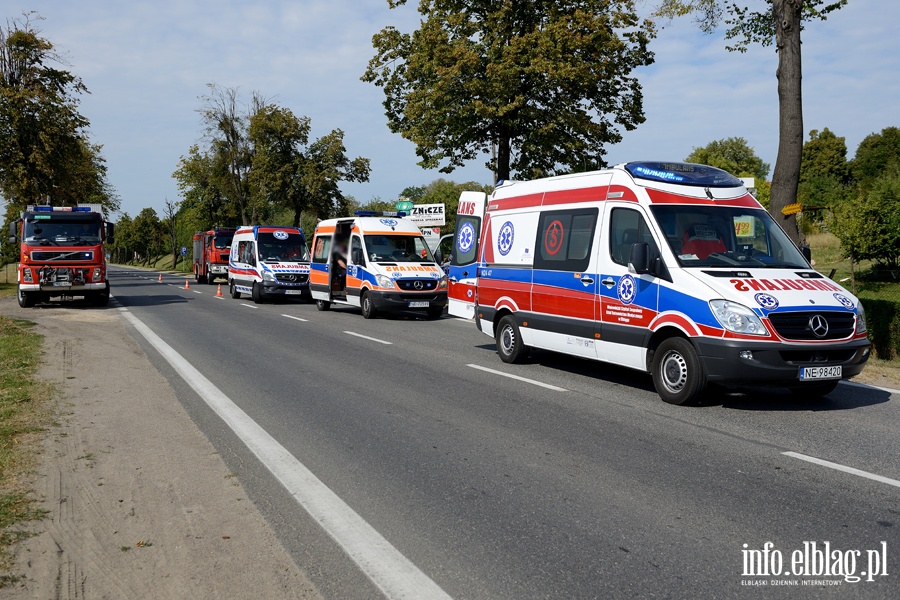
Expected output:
(62, 284)
(293, 291)
(809, 373)
(418, 305)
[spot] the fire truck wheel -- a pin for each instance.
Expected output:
(677, 373)
(323, 305)
(368, 308)
(509, 341)
(211, 278)
(255, 294)
(26, 299)
(233, 290)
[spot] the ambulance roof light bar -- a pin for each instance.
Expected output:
(380, 213)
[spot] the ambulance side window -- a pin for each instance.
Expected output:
(628, 226)
(564, 239)
(357, 256)
(246, 253)
(320, 251)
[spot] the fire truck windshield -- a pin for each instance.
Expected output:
(59, 230)
(222, 241)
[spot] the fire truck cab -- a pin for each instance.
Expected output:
(669, 268)
(62, 253)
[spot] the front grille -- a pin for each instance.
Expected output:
(409, 285)
(62, 255)
(292, 278)
(797, 325)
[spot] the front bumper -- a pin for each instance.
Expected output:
(776, 363)
(62, 289)
(401, 300)
(219, 269)
(285, 289)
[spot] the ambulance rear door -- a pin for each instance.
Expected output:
(464, 259)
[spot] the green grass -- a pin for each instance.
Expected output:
(24, 416)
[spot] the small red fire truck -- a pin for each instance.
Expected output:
(211, 249)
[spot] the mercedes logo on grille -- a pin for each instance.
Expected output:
(418, 285)
(818, 325)
(289, 277)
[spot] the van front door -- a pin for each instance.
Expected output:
(628, 301)
(466, 254)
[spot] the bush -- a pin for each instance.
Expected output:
(883, 322)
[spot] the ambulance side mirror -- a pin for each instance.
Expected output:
(639, 260)
(807, 253)
(438, 257)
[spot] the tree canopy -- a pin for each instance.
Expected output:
(780, 22)
(876, 155)
(45, 153)
(733, 155)
(541, 86)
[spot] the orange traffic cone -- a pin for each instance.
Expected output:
(160, 278)
(219, 291)
(186, 285)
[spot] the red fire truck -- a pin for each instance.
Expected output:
(211, 249)
(62, 253)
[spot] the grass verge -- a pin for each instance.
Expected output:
(24, 416)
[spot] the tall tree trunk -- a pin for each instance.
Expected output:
(786, 176)
(503, 155)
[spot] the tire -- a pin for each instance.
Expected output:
(233, 290)
(813, 391)
(210, 278)
(256, 295)
(26, 299)
(368, 308)
(677, 373)
(101, 298)
(509, 341)
(323, 305)
(435, 312)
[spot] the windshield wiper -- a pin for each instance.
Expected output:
(43, 241)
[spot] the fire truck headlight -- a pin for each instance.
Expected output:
(737, 318)
(27, 277)
(98, 275)
(384, 281)
(860, 318)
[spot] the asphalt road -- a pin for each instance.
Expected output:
(495, 487)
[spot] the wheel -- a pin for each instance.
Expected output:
(101, 298)
(323, 305)
(26, 299)
(677, 373)
(255, 294)
(435, 312)
(811, 391)
(368, 308)
(196, 276)
(210, 278)
(233, 290)
(509, 341)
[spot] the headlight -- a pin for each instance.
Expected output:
(737, 318)
(268, 276)
(442, 284)
(26, 276)
(384, 281)
(860, 318)
(98, 275)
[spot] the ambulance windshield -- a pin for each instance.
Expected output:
(726, 236)
(398, 248)
(282, 248)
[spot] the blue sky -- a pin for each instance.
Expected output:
(147, 63)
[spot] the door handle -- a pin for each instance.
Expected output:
(609, 282)
(587, 280)
(453, 279)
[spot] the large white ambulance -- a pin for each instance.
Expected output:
(387, 266)
(669, 268)
(268, 262)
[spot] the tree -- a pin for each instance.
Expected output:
(733, 155)
(824, 156)
(877, 154)
(780, 23)
(169, 223)
(147, 234)
(544, 84)
(45, 153)
(869, 225)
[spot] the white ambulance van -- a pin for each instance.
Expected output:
(268, 262)
(389, 266)
(669, 268)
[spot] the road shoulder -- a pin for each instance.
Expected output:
(140, 504)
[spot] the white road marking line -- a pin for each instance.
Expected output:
(870, 386)
(371, 339)
(248, 305)
(531, 381)
(219, 297)
(296, 318)
(196, 292)
(839, 467)
(394, 574)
